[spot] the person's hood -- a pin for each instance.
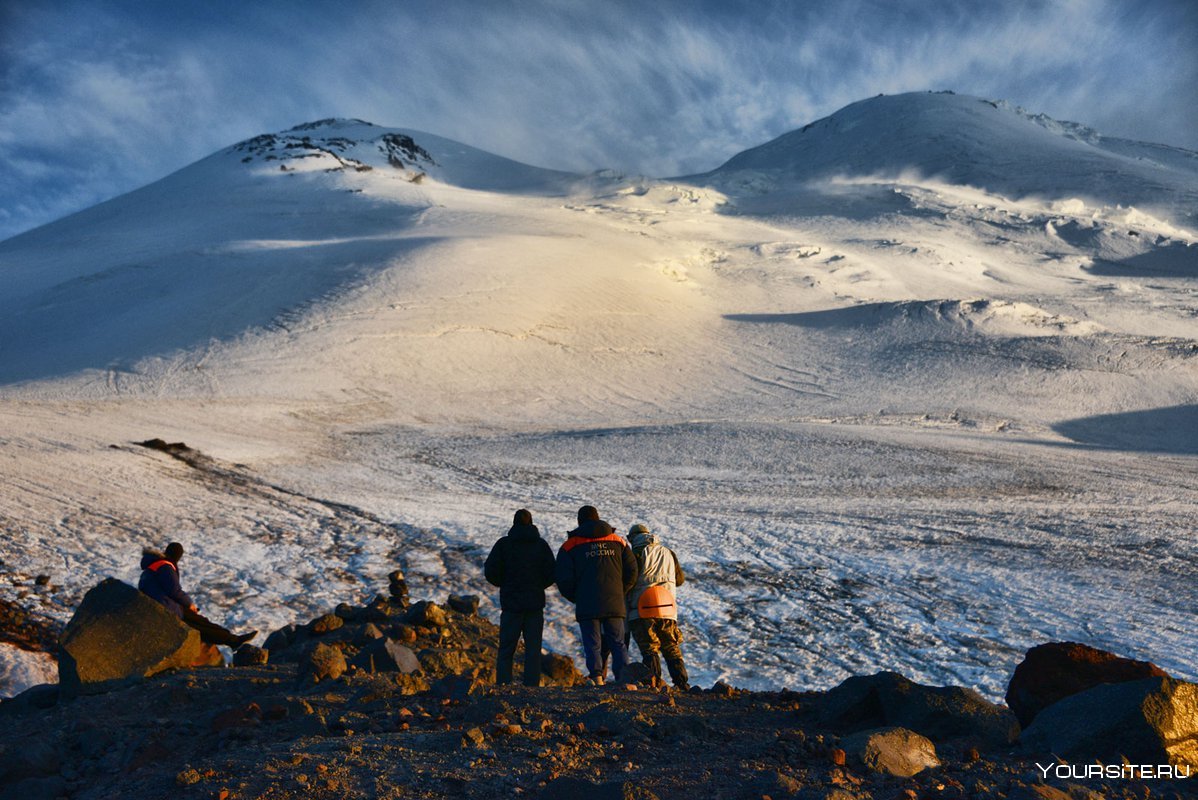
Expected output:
(524, 532)
(593, 529)
(639, 540)
(148, 557)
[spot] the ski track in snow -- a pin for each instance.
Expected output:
(907, 418)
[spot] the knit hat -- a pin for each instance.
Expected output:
(637, 528)
(587, 512)
(523, 517)
(174, 551)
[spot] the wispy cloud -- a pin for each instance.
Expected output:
(98, 98)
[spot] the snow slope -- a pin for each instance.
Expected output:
(915, 387)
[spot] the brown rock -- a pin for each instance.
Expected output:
(248, 656)
(1051, 672)
(1149, 721)
(325, 624)
(119, 634)
(322, 661)
(892, 751)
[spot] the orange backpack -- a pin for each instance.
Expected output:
(656, 601)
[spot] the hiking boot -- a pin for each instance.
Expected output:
(596, 680)
(238, 641)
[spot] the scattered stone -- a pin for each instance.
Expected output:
(721, 689)
(404, 633)
(42, 580)
(249, 656)
(892, 751)
(427, 614)
(576, 788)
(325, 624)
(474, 737)
(560, 670)
(369, 633)
(1051, 672)
(320, 662)
(464, 603)
(387, 655)
(119, 634)
(838, 756)
(188, 777)
(1149, 721)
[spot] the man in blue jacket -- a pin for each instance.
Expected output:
(160, 581)
(521, 565)
(595, 569)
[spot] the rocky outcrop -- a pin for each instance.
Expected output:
(941, 713)
(1054, 671)
(891, 751)
(420, 644)
(118, 634)
(1149, 721)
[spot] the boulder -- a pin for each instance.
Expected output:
(320, 662)
(891, 751)
(386, 655)
(427, 614)
(941, 713)
(559, 670)
(464, 603)
(280, 639)
(1054, 671)
(249, 656)
(325, 624)
(119, 634)
(1149, 721)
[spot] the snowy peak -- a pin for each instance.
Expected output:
(964, 140)
(340, 145)
(340, 141)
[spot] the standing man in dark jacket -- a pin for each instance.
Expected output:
(160, 580)
(595, 570)
(521, 565)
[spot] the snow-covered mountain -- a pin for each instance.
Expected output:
(912, 387)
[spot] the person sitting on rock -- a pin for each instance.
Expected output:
(652, 608)
(595, 570)
(160, 581)
(521, 565)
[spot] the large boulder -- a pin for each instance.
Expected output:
(119, 634)
(1149, 721)
(941, 713)
(891, 751)
(1054, 671)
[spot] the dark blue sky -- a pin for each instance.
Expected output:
(100, 97)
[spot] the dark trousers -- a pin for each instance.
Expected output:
(513, 625)
(599, 635)
(210, 632)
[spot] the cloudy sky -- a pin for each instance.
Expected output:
(103, 96)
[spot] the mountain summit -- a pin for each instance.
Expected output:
(966, 140)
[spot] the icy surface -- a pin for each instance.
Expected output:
(915, 388)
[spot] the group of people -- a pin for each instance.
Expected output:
(621, 590)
